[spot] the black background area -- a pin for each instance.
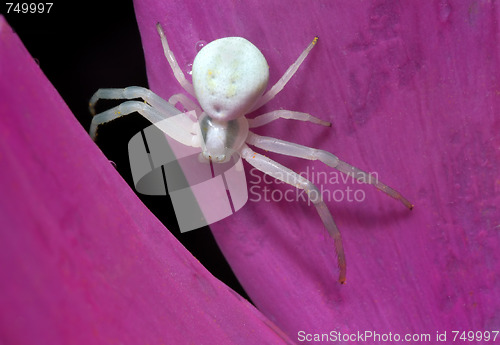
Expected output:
(84, 46)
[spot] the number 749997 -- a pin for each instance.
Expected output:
(29, 7)
(471, 336)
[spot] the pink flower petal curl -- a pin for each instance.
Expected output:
(413, 94)
(82, 261)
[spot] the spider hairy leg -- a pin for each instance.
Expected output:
(180, 127)
(266, 118)
(124, 109)
(300, 151)
(179, 75)
(186, 102)
(368, 178)
(280, 84)
(132, 92)
(286, 175)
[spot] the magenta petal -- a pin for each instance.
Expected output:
(82, 260)
(413, 93)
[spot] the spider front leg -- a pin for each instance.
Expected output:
(179, 75)
(132, 92)
(266, 118)
(280, 84)
(179, 126)
(286, 175)
(186, 102)
(300, 151)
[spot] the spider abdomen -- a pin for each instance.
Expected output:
(229, 75)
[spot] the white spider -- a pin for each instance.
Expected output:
(230, 76)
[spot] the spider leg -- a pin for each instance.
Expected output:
(300, 151)
(179, 75)
(186, 102)
(264, 119)
(132, 92)
(179, 126)
(285, 78)
(286, 175)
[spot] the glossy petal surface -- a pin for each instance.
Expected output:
(82, 261)
(413, 94)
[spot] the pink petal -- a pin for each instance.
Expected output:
(82, 260)
(412, 92)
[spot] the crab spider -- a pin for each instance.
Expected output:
(229, 77)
